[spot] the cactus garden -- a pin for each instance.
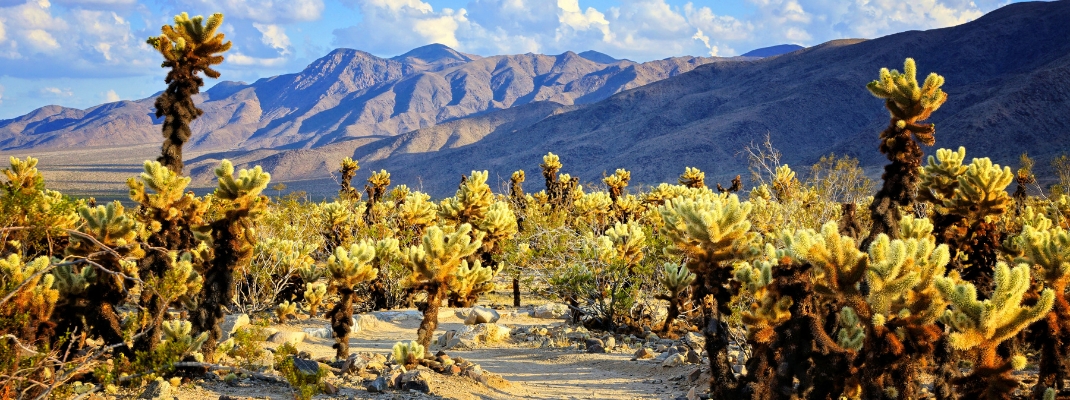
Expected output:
(944, 276)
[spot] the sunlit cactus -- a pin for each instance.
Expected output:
(984, 324)
(180, 282)
(376, 186)
(498, 224)
(675, 279)
(33, 302)
(285, 311)
(434, 264)
(189, 47)
(244, 189)
(693, 178)
(471, 202)
(348, 170)
(417, 212)
(1047, 249)
(409, 354)
(708, 231)
(471, 280)
(551, 163)
(981, 191)
(622, 243)
(784, 183)
(314, 294)
(23, 176)
(516, 189)
(939, 178)
(595, 208)
(110, 225)
(349, 267)
(617, 183)
(901, 276)
(909, 104)
(769, 310)
(177, 334)
(839, 265)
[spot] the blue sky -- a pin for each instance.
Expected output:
(80, 53)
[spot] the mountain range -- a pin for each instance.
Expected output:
(433, 114)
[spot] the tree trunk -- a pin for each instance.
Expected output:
(516, 292)
(341, 317)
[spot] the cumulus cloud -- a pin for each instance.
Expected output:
(56, 92)
(262, 11)
(111, 97)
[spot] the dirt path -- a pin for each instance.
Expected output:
(530, 372)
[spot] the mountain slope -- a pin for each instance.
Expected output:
(348, 94)
(1008, 80)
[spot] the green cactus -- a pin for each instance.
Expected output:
(472, 201)
(189, 47)
(838, 264)
(286, 311)
(417, 212)
(348, 268)
(348, 170)
(622, 243)
(314, 294)
(470, 282)
(693, 178)
(675, 278)
(232, 237)
(376, 187)
(23, 176)
(33, 304)
(180, 282)
(851, 334)
(434, 264)
(617, 183)
(1048, 250)
(408, 355)
(177, 335)
(909, 104)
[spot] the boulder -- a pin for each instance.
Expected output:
(378, 385)
(293, 338)
(595, 346)
(644, 354)
(550, 311)
(675, 360)
(695, 341)
(233, 322)
(322, 333)
(414, 380)
(482, 315)
(362, 322)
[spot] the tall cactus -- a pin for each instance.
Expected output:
(189, 47)
(232, 238)
(675, 278)
(34, 301)
(909, 105)
(348, 170)
(1048, 249)
(434, 264)
(347, 268)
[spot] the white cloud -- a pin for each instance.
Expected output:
(262, 11)
(111, 96)
(56, 92)
(274, 36)
(705, 42)
(98, 4)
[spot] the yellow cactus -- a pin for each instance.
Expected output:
(907, 102)
(708, 231)
(838, 263)
(472, 201)
(623, 243)
(347, 268)
(417, 211)
(693, 178)
(408, 355)
(314, 294)
(469, 283)
(286, 311)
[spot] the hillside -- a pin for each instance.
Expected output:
(1008, 80)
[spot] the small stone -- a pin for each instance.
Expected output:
(322, 333)
(363, 322)
(330, 389)
(414, 380)
(550, 311)
(652, 337)
(644, 354)
(692, 394)
(378, 385)
(694, 376)
(482, 315)
(661, 348)
(305, 367)
(693, 357)
(675, 360)
(233, 322)
(595, 346)
(293, 338)
(611, 343)
(157, 390)
(694, 341)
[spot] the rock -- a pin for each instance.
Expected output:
(695, 341)
(739, 369)
(694, 376)
(611, 343)
(485, 333)
(692, 394)
(652, 337)
(233, 322)
(293, 338)
(693, 357)
(644, 354)
(675, 360)
(322, 333)
(397, 316)
(661, 348)
(158, 390)
(305, 367)
(595, 346)
(482, 315)
(329, 389)
(550, 311)
(414, 380)
(362, 322)
(378, 385)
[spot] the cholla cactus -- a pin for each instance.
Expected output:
(617, 183)
(417, 212)
(551, 163)
(851, 335)
(469, 283)
(169, 201)
(23, 176)
(839, 265)
(595, 208)
(1048, 250)
(499, 224)
(232, 238)
(981, 191)
(939, 178)
(178, 338)
(107, 224)
(622, 243)
(901, 275)
(348, 268)
(286, 311)
(984, 324)
(434, 264)
(675, 278)
(693, 178)
(408, 355)
(314, 294)
(34, 302)
(909, 104)
(189, 47)
(770, 309)
(179, 283)
(376, 187)
(784, 183)
(516, 190)
(340, 221)
(348, 170)
(708, 231)
(472, 201)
